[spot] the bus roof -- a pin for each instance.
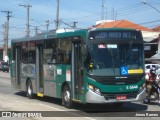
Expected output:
(53, 34)
(116, 29)
(66, 33)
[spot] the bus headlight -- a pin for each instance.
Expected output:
(94, 89)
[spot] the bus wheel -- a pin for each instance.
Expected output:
(29, 90)
(66, 97)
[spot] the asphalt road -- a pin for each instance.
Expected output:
(13, 100)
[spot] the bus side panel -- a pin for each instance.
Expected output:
(23, 84)
(49, 80)
(34, 85)
(61, 77)
(28, 73)
(49, 88)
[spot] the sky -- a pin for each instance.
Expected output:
(84, 12)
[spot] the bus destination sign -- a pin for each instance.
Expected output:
(113, 35)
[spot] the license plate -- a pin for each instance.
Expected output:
(122, 97)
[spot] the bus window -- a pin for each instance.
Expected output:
(28, 52)
(31, 52)
(49, 51)
(24, 52)
(64, 52)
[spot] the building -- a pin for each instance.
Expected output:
(122, 24)
(1, 52)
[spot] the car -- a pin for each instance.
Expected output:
(4, 66)
(149, 66)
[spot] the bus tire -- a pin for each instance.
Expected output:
(66, 97)
(29, 90)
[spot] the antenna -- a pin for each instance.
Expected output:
(103, 9)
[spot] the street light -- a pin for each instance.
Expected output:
(144, 2)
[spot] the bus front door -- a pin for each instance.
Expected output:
(18, 67)
(39, 68)
(77, 83)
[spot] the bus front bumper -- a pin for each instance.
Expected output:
(92, 97)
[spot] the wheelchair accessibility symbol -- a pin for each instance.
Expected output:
(124, 70)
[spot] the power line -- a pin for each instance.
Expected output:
(146, 3)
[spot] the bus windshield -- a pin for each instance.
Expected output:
(109, 59)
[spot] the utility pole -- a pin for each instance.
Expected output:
(5, 50)
(57, 15)
(27, 23)
(36, 30)
(47, 24)
(4, 44)
(74, 24)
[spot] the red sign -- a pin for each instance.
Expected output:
(122, 97)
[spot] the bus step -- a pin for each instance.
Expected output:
(39, 94)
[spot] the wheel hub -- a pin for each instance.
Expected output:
(29, 90)
(67, 96)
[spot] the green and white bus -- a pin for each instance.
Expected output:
(85, 66)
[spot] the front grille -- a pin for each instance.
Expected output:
(130, 95)
(114, 80)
